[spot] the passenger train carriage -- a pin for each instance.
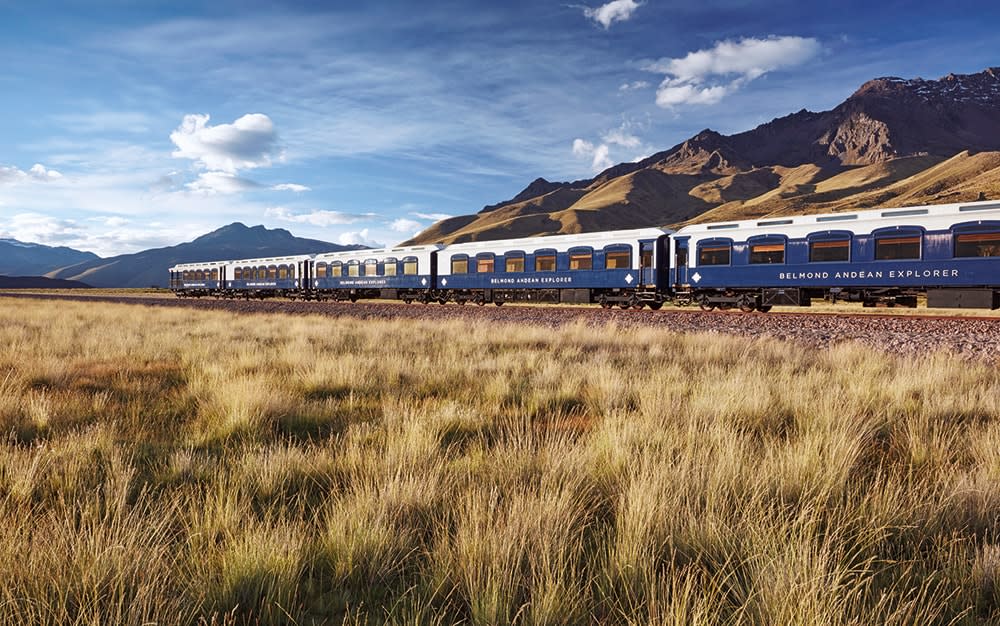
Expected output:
(405, 273)
(950, 252)
(612, 268)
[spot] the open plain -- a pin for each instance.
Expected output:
(184, 465)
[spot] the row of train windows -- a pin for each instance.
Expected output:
(390, 267)
(543, 262)
(279, 272)
(200, 274)
(886, 249)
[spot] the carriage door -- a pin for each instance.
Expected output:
(303, 281)
(646, 270)
(681, 261)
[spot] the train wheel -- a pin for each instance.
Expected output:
(747, 304)
(705, 305)
(442, 300)
(498, 303)
(408, 300)
(764, 309)
(655, 306)
(637, 306)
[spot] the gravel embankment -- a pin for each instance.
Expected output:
(974, 338)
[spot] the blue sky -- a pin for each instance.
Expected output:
(128, 125)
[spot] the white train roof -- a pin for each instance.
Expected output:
(272, 260)
(398, 252)
(557, 242)
(939, 216)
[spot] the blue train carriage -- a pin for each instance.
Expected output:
(403, 273)
(627, 268)
(194, 280)
(950, 252)
(286, 276)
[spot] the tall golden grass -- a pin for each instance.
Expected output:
(182, 467)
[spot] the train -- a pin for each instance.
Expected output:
(949, 253)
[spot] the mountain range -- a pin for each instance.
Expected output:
(149, 267)
(18, 258)
(893, 142)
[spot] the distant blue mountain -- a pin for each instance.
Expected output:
(235, 241)
(18, 258)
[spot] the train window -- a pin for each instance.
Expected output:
(977, 244)
(321, 270)
(336, 269)
(371, 267)
(291, 271)
(514, 263)
(717, 254)
(459, 265)
(389, 267)
(238, 273)
(215, 274)
(186, 275)
(581, 260)
(247, 275)
(545, 262)
(353, 268)
(261, 273)
(826, 251)
(283, 272)
(765, 253)
(617, 259)
(893, 248)
(410, 266)
(484, 265)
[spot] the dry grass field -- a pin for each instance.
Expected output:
(172, 466)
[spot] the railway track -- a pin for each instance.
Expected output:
(976, 338)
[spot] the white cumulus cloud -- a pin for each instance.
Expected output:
(360, 237)
(615, 11)
(316, 218)
(707, 76)
(12, 175)
(406, 225)
(247, 143)
(598, 155)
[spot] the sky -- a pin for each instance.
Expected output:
(128, 125)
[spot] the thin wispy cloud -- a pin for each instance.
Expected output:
(621, 139)
(317, 217)
(615, 11)
(210, 183)
(290, 187)
(434, 217)
(707, 76)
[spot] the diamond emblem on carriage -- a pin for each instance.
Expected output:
(696, 277)
(423, 281)
(444, 281)
(629, 279)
